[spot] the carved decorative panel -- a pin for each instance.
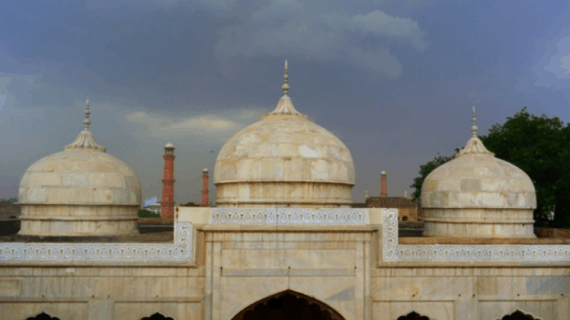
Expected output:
(180, 250)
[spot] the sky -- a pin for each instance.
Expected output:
(395, 80)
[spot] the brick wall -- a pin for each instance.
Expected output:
(407, 209)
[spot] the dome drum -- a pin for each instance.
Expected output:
(482, 223)
(74, 220)
(277, 194)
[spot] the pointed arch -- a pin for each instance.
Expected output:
(413, 316)
(43, 316)
(291, 305)
(519, 315)
(157, 316)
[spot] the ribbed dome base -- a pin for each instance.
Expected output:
(478, 223)
(65, 220)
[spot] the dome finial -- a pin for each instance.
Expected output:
(474, 127)
(86, 140)
(86, 121)
(285, 106)
(285, 85)
(474, 145)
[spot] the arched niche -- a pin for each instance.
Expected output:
(288, 305)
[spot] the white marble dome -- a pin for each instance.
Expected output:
(79, 191)
(284, 160)
(478, 195)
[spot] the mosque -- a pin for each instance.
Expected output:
(283, 241)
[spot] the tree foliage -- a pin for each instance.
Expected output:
(190, 204)
(425, 170)
(147, 214)
(534, 144)
(540, 146)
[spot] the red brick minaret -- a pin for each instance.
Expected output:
(167, 204)
(383, 185)
(205, 192)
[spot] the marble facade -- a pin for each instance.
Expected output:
(356, 268)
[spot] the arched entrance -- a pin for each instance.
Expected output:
(288, 305)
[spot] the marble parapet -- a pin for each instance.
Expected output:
(384, 222)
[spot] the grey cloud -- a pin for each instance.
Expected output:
(381, 24)
(214, 128)
(317, 35)
(32, 130)
(380, 60)
(278, 8)
(148, 5)
(553, 69)
(484, 96)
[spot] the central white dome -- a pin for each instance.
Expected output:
(284, 160)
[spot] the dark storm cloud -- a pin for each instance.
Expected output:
(395, 80)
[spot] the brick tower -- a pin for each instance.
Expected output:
(167, 204)
(205, 191)
(383, 184)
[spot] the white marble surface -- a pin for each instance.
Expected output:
(284, 159)
(476, 180)
(64, 193)
(282, 216)
(180, 250)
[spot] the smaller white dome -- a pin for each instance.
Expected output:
(169, 145)
(478, 195)
(83, 177)
(81, 191)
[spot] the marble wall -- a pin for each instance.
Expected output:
(233, 268)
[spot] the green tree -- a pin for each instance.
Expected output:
(534, 144)
(190, 204)
(562, 207)
(425, 170)
(147, 214)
